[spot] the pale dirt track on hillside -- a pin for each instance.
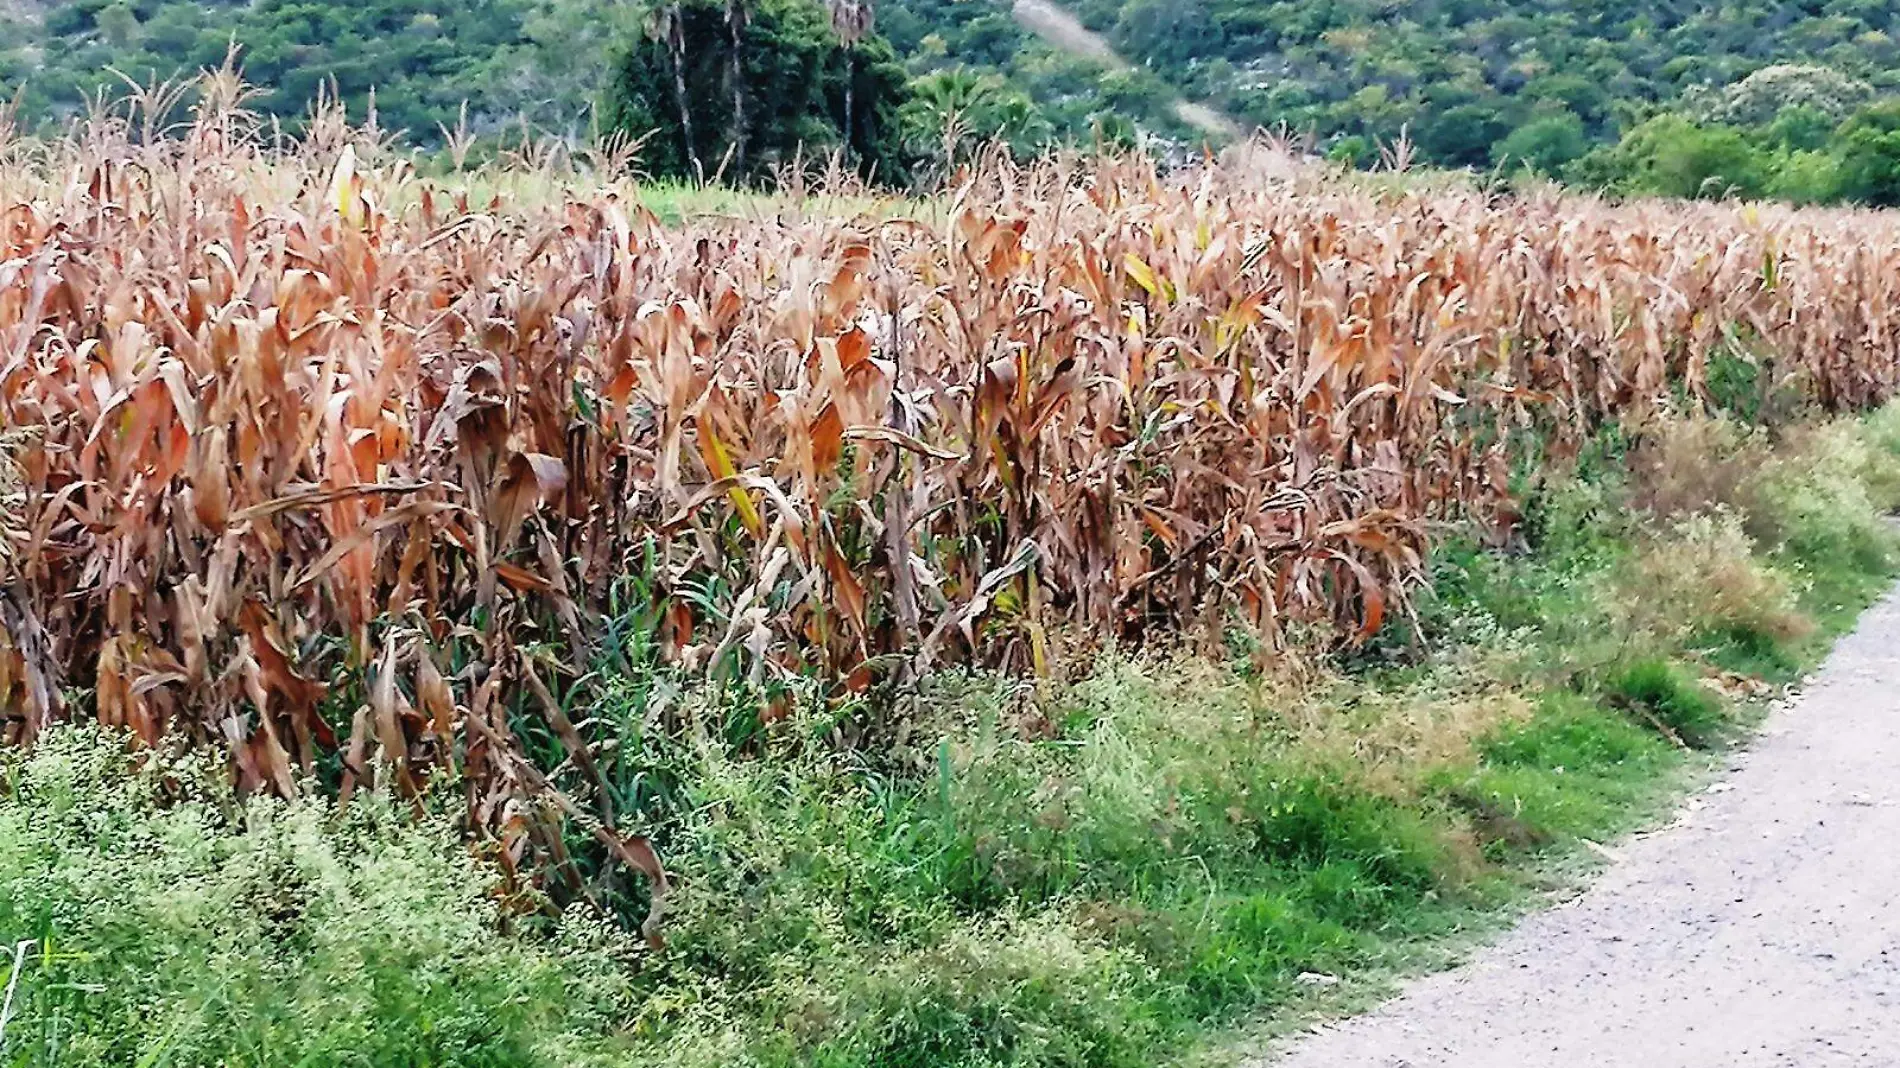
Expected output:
(1053, 23)
(1761, 929)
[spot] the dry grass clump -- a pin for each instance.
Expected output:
(1391, 738)
(1400, 737)
(1702, 575)
(1686, 465)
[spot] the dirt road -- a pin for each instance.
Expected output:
(1053, 23)
(1761, 929)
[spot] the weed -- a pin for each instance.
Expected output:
(1690, 466)
(174, 925)
(1664, 696)
(1699, 584)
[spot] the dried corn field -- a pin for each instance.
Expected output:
(318, 461)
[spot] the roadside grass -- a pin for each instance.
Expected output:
(1120, 870)
(1192, 843)
(171, 925)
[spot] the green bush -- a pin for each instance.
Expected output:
(1673, 156)
(1665, 696)
(1546, 144)
(1868, 147)
(792, 90)
(173, 927)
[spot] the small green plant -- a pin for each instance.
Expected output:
(1733, 382)
(1663, 695)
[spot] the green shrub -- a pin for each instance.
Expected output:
(174, 927)
(1664, 695)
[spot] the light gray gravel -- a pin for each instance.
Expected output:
(1761, 928)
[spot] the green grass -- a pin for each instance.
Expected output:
(676, 202)
(1576, 771)
(1665, 695)
(1114, 872)
(173, 926)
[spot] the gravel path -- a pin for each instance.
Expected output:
(1761, 929)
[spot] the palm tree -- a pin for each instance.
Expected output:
(739, 131)
(1020, 122)
(666, 24)
(945, 110)
(952, 94)
(851, 20)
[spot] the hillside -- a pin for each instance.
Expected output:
(1471, 82)
(421, 58)
(545, 60)
(1464, 74)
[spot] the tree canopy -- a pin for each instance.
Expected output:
(1460, 76)
(735, 89)
(421, 58)
(1787, 98)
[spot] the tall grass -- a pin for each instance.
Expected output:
(171, 924)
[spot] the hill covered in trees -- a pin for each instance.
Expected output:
(1762, 97)
(558, 64)
(419, 58)
(1463, 74)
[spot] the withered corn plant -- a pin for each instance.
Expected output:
(315, 461)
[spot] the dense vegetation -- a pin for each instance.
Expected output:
(562, 66)
(1464, 75)
(1805, 134)
(720, 90)
(420, 58)
(1032, 625)
(975, 63)
(171, 923)
(1771, 98)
